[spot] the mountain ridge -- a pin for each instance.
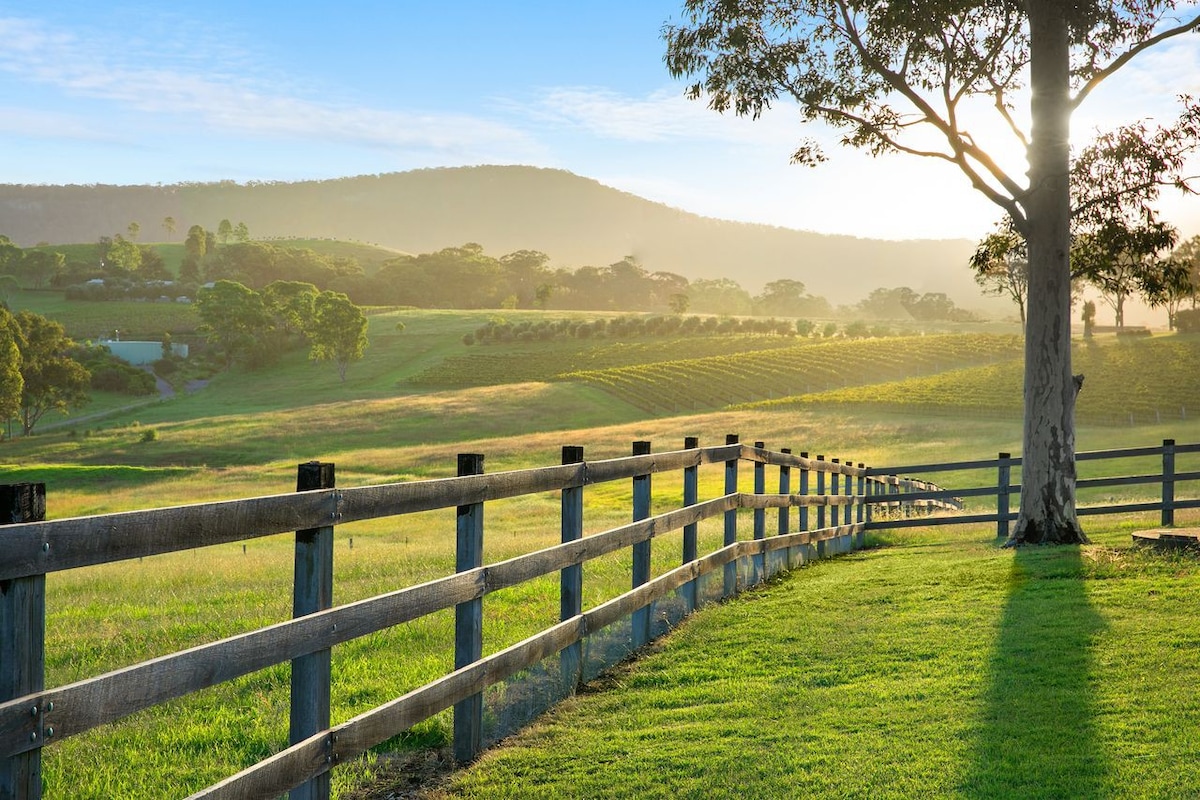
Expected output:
(575, 220)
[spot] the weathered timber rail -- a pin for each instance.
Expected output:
(32, 716)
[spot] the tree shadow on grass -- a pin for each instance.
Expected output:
(1036, 736)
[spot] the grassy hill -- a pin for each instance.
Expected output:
(577, 221)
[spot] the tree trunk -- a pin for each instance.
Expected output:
(1048, 461)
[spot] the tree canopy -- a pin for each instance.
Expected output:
(52, 380)
(905, 77)
(338, 332)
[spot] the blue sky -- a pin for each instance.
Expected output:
(149, 92)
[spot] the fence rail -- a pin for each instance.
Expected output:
(836, 504)
(32, 717)
(1004, 488)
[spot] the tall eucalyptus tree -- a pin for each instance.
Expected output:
(904, 76)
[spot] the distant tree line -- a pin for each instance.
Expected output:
(904, 303)
(1117, 256)
(453, 277)
(467, 277)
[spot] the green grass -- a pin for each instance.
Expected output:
(244, 434)
(1125, 382)
(84, 321)
(106, 617)
(937, 667)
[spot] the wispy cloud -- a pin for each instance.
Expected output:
(661, 116)
(223, 90)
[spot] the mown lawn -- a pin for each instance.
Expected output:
(936, 666)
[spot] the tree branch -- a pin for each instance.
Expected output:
(1128, 56)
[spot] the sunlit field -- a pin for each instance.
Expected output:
(244, 434)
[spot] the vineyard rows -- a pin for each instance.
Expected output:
(1138, 381)
(548, 361)
(722, 380)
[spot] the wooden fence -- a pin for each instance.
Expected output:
(830, 498)
(1005, 489)
(836, 503)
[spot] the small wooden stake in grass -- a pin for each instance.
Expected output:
(22, 645)
(468, 618)
(312, 591)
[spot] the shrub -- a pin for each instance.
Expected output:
(149, 435)
(1188, 320)
(856, 330)
(123, 379)
(166, 366)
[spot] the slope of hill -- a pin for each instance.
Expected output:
(577, 221)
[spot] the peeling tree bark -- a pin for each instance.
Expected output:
(1048, 460)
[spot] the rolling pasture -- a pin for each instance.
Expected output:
(518, 404)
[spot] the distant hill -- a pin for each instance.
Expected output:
(577, 221)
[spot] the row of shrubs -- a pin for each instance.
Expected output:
(627, 327)
(622, 327)
(129, 289)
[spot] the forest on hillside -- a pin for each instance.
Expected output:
(576, 221)
(464, 277)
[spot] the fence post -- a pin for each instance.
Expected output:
(468, 617)
(570, 595)
(835, 512)
(785, 488)
(312, 591)
(1168, 486)
(22, 643)
(786, 559)
(690, 497)
(758, 561)
(1003, 484)
(820, 491)
(731, 487)
(848, 509)
(760, 487)
(803, 492)
(641, 550)
(861, 515)
(871, 491)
